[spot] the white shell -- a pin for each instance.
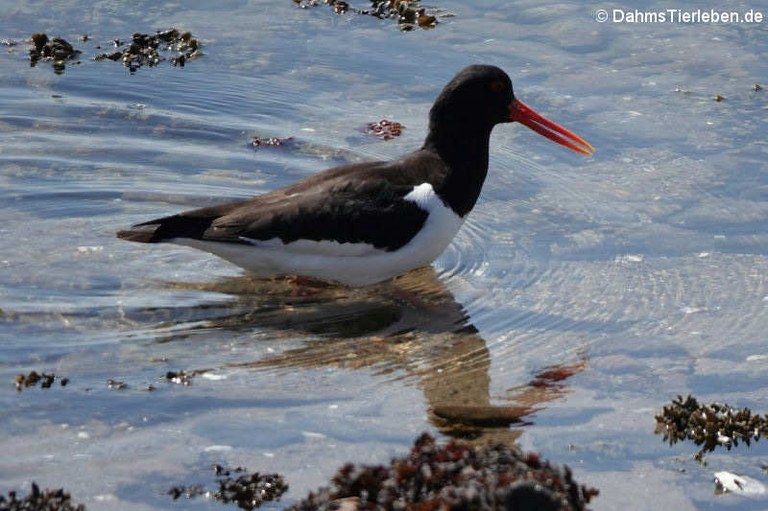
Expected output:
(744, 485)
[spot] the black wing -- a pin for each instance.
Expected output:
(362, 203)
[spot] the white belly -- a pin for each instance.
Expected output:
(353, 264)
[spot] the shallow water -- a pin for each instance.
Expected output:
(632, 276)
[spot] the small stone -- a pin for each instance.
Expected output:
(118, 385)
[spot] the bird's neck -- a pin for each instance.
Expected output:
(465, 152)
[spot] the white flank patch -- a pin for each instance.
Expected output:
(312, 247)
(353, 264)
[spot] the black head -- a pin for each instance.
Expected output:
(478, 97)
(460, 123)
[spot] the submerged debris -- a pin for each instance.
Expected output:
(180, 377)
(385, 129)
(269, 141)
(145, 50)
(188, 492)
(756, 87)
(56, 50)
(36, 500)
(408, 13)
(248, 491)
(116, 384)
(709, 425)
(453, 476)
(33, 378)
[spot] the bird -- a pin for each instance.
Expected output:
(363, 223)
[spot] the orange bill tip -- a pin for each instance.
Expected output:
(527, 116)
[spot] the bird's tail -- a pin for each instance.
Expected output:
(167, 229)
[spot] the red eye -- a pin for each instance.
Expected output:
(496, 86)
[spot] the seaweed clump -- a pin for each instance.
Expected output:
(453, 476)
(408, 13)
(33, 378)
(385, 129)
(181, 377)
(237, 486)
(57, 50)
(145, 49)
(36, 500)
(257, 141)
(709, 425)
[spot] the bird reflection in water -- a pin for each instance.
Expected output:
(409, 327)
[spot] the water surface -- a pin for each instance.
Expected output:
(636, 275)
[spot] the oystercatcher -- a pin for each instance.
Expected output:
(363, 223)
